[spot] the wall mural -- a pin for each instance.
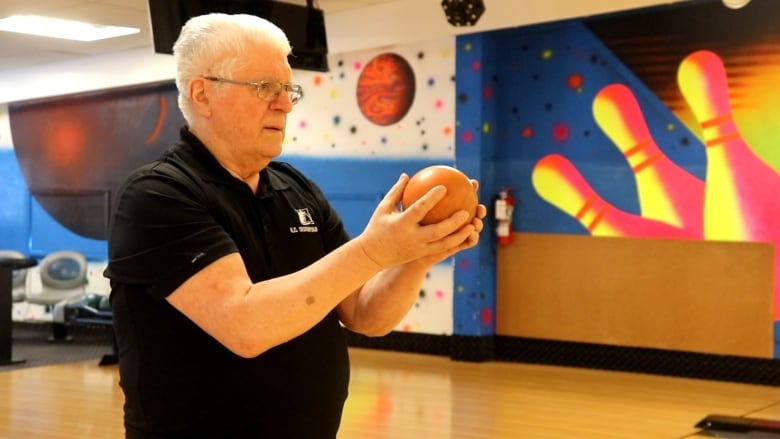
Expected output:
(725, 89)
(735, 202)
(385, 89)
(74, 152)
(658, 122)
(392, 103)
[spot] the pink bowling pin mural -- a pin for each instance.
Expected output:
(740, 197)
(558, 181)
(741, 202)
(666, 192)
(736, 202)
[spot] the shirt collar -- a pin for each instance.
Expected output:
(214, 171)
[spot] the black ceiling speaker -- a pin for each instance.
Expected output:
(304, 25)
(463, 12)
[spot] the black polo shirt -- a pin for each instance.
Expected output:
(177, 215)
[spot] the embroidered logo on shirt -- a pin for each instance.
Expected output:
(306, 220)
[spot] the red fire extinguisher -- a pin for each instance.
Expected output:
(504, 208)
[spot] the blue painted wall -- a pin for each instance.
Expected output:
(15, 207)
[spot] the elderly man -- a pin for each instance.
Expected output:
(228, 324)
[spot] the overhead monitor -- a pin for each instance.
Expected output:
(304, 25)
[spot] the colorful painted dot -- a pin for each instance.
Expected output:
(487, 316)
(574, 81)
(560, 132)
(487, 92)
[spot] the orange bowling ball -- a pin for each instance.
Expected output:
(460, 192)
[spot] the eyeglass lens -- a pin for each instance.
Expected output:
(270, 90)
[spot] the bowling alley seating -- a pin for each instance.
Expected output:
(19, 277)
(63, 276)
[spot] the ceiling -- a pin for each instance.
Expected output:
(20, 51)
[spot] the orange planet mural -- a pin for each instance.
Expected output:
(385, 89)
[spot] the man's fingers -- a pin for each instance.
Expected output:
(425, 203)
(393, 196)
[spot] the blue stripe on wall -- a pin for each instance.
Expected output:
(14, 204)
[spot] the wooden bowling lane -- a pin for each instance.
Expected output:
(407, 395)
(401, 395)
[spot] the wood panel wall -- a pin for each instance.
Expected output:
(697, 296)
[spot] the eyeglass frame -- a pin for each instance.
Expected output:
(259, 87)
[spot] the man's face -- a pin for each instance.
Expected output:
(252, 123)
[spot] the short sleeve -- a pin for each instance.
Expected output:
(162, 232)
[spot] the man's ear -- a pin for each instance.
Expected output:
(199, 95)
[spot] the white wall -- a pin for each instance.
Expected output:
(398, 22)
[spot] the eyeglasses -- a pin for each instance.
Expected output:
(268, 91)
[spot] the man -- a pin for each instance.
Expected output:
(228, 324)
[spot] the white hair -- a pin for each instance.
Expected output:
(217, 44)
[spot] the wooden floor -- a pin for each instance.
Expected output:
(397, 395)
